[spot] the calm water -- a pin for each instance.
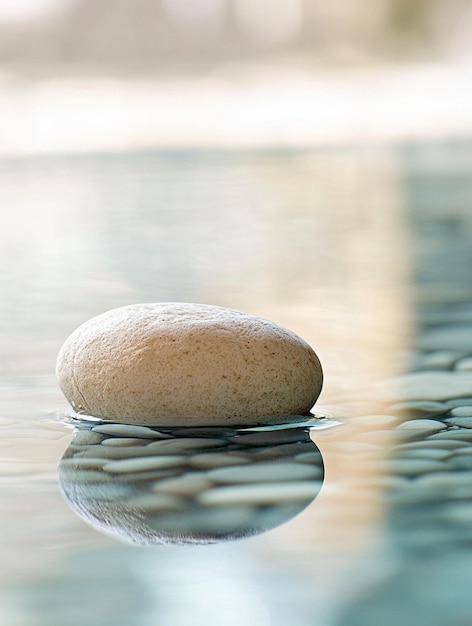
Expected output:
(366, 253)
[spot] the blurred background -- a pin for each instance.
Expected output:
(305, 161)
(78, 75)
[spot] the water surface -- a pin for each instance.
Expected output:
(366, 253)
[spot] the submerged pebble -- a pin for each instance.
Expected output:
(424, 386)
(121, 441)
(464, 364)
(462, 422)
(440, 360)
(263, 472)
(261, 493)
(128, 430)
(453, 402)
(415, 467)
(143, 464)
(422, 425)
(419, 408)
(187, 484)
(461, 411)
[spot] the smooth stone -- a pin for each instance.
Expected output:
(462, 491)
(182, 446)
(462, 434)
(122, 442)
(129, 430)
(460, 462)
(187, 484)
(422, 425)
(437, 386)
(119, 452)
(443, 359)
(458, 513)
(464, 451)
(263, 472)
(134, 478)
(427, 444)
(451, 337)
(464, 365)
(186, 364)
(425, 453)
(462, 422)
(144, 464)
(445, 481)
(211, 460)
(461, 411)
(413, 495)
(455, 402)
(262, 494)
(421, 408)
(413, 467)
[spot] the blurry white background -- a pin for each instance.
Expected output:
(79, 75)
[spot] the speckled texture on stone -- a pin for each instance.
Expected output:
(187, 364)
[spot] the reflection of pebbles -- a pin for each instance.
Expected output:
(149, 486)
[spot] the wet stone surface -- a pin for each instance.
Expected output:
(150, 486)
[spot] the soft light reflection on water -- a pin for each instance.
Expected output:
(336, 245)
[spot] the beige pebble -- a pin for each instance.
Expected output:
(148, 477)
(425, 425)
(184, 485)
(461, 434)
(129, 430)
(210, 460)
(275, 452)
(170, 364)
(143, 464)
(262, 493)
(426, 453)
(182, 445)
(123, 442)
(414, 466)
(263, 472)
(117, 452)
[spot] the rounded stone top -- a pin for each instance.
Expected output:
(180, 364)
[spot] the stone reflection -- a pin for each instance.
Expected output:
(188, 485)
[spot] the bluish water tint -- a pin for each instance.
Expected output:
(293, 237)
(195, 485)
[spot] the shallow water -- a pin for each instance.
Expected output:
(366, 253)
